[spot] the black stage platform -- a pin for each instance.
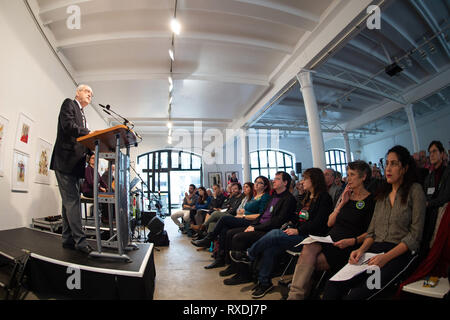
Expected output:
(50, 269)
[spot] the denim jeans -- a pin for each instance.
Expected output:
(270, 246)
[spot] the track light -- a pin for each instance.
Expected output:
(175, 26)
(171, 55)
(169, 124)
(170, 80)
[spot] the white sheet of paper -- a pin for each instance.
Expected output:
(312, 239)
(351, 270)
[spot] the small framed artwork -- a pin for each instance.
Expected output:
(3, 130)
(24, 134)
(43, 156)
(215, 178)
(20, 172)
(232, 176)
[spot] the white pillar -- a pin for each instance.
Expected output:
(347, 147)
(412, 127)
(312, 116)
(245, 156)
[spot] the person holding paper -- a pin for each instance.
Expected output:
(310, 219)
(348, 222)
(395, 230)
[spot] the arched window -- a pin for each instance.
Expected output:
(268, 162)
(168, 174)
(336, 159)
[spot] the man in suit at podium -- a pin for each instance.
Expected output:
(68, 162)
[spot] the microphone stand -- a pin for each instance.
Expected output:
(107, 109)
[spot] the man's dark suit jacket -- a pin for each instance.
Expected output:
(69, 156)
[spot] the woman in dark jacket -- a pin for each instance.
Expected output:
(311, 219)
(88, 185)
(349, 222)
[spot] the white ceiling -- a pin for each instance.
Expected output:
(236, 59)
(224, 57)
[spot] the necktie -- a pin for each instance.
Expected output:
(84, 118)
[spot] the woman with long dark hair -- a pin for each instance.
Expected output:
(348, 222)
(203, 201)
(394, 233)
(311, 219)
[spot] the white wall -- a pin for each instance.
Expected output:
(32, 82)
(429, 128)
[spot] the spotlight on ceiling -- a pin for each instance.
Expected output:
(175, 26)
(393, 69)
(171, 55)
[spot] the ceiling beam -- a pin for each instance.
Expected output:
(419, 92)
(358, 86)
(116, 37)
(260, 10)
(423, 10)
(339, 23)
(142, 75)
(370, 52)
(344, 66)
(291, 102)
(396, 27)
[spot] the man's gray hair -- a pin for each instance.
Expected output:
(82, 87)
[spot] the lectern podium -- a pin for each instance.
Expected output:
(107, 144)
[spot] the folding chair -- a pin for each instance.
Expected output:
(294, 255)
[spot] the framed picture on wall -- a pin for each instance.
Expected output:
(215, 178)
(43, 156)
(3, 130)
(20, 172)
(24, 134)
(229, 175)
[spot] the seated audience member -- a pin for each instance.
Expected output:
(227, 192)
(249, 190)
(437, 191)
(105, 176)
(338, 181)
(217, 200)
(348, 222)
(228, 208)
(88, 183)
(202, 203)
(255, 206)
(422, 172)
(189, 201)
(252, 210)
(394, 233)
(333, 190)
(311, 219)
(279, 210)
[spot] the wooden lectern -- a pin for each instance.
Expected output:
(107, 144)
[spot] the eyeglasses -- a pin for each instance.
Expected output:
(259, 182)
